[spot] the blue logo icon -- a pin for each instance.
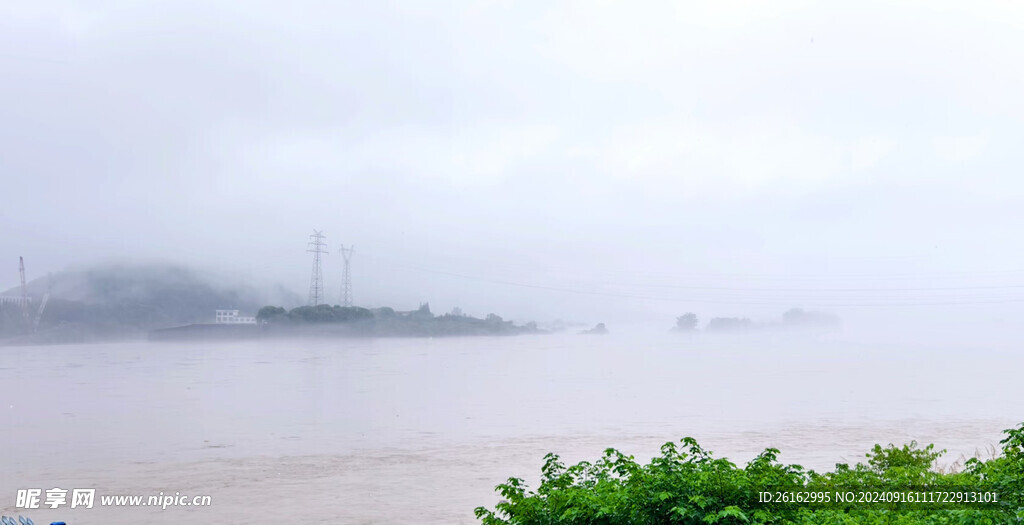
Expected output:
(22, 520)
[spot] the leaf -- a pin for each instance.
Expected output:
(733, 511)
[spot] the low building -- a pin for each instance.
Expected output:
(232, 317)
(10, 299)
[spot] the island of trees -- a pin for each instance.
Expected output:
(792, 319)
(354, 320)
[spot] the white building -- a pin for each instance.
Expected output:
(10, 299)
(232, 317)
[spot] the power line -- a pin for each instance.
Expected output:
(697, 300)
(527, 264)
(828, 290)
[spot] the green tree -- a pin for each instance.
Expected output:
(270, 314)
(686, 322)
(384, 312)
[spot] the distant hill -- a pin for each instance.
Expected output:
(124, 300)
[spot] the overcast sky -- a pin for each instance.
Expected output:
(586, 160)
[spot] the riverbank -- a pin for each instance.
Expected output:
(438, 484)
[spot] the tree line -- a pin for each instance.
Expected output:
(792, 318)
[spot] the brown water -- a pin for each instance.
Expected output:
(420, 430)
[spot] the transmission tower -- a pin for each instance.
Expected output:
(24, 289)
(346, 276)
(318, 248)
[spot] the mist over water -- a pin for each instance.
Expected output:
(444, 420)
(563, 163)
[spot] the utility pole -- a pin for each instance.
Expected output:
(346, 277)
(317, 247)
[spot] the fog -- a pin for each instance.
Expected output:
(591, 162)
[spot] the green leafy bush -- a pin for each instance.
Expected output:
(687, 485)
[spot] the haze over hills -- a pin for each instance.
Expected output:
(120, 282)
(125, 300)
(128, 300)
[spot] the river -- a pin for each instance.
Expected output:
(420, 430)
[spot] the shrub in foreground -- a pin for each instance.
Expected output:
(687, 485)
